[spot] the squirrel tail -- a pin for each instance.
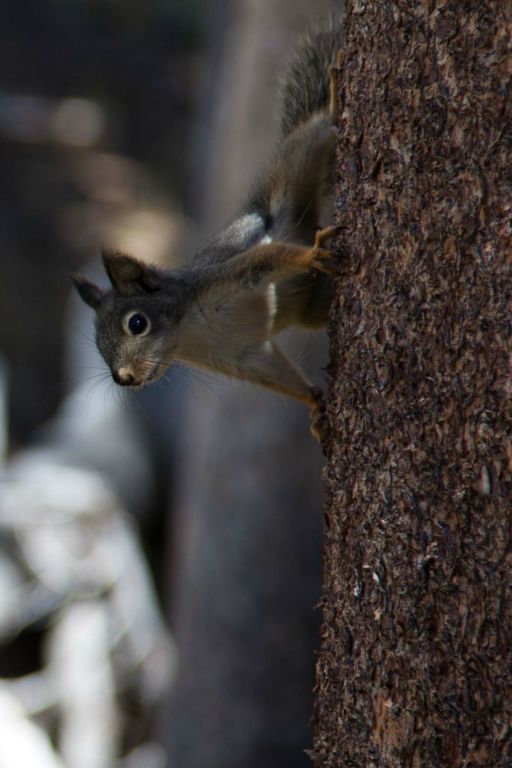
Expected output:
(304, 87)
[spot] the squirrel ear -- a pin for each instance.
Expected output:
(130, 276)
(90, 293)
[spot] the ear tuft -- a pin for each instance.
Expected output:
(130, 276)
(89, 292)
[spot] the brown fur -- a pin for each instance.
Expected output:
(264, 272)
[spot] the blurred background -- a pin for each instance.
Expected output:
(160, 552)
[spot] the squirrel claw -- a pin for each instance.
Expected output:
(333, 109)
(327, 233)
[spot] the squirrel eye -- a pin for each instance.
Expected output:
(136, 324)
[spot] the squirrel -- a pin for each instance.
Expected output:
(267, 270)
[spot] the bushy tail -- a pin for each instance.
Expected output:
(304, 85)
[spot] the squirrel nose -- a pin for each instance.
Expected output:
(123, 376)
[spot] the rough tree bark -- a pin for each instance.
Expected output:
(416, 649)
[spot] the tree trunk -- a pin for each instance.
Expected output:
(416, 647)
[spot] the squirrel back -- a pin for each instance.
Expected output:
(284, 201)
(304, 83)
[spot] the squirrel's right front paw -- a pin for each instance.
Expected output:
(322, 258)
(327, 233)
(323, 261)
(319, 423)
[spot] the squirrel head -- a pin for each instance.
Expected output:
(137, 320)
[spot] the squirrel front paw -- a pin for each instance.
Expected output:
(327, 233)
(321, 258)
(319, 423)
